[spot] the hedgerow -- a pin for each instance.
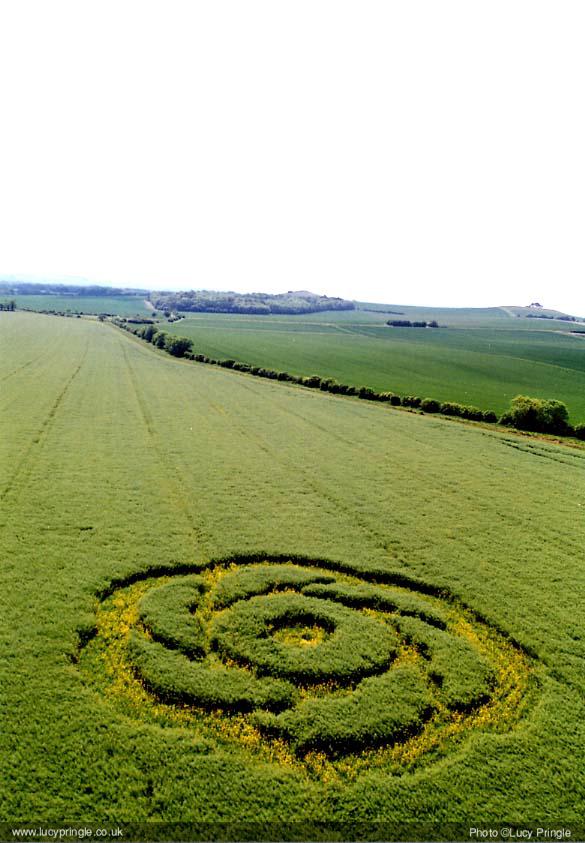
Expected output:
(451, 408)
(411, 401)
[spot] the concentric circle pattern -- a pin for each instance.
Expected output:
(314, 662)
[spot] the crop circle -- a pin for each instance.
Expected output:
(309, 662)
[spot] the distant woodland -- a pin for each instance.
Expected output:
(208, 301)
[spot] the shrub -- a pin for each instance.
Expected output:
(451, 408)
(580, 431)
(537, 414)
(411, 401)
(312, 381)
(148, 332)
(395, 400)
(178, 346)
(429, 405)
(472, 413)
(160, 339)
(227, 364)
(490, 417)
(367, 394)
(201, 358)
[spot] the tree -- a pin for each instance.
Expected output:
(537, 414)
(159, 339)
(178, 346)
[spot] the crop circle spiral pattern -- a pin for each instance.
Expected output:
(305, 660)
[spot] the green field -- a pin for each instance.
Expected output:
(485, 359)
(272, 613)
(117, 305)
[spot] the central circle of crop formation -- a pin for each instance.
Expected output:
(305, 662)
(356, 645)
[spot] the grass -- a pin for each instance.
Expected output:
(485, 358)
(121, 466)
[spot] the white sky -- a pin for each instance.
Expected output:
(408, 152)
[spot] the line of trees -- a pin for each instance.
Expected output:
(406, 323)
(562, 318)
(525, 413)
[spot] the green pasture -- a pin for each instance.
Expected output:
(485, 365)
(513, 317)
(416, 663)
(117, 305)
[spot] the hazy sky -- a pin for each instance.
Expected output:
(409, 152)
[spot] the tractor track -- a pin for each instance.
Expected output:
(175, 490)
(25, 465)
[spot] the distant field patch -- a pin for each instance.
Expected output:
(485, 365)
(118, 305)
